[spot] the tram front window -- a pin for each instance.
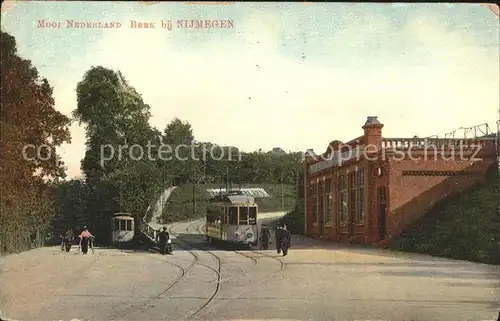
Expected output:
(233, 216)
(123, 225)
(116, 225)
(129, 225)
(252, 217)
(243, 216)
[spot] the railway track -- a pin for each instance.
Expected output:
(249, 255)
(182, 274)
(216, 270)
(252, 258)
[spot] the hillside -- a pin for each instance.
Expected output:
(465, 226)
(180, 203)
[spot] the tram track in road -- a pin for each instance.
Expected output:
(183, 273)
(245, 290)
(217, 270)
(241, 253)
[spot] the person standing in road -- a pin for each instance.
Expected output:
(85, 240)
(68, 239)
(61, 236)
(286, 240)
(265, 237)
(162, 238)
(278, 235)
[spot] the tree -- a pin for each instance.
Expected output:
(118, 178)
(178, 139)
(31, 129)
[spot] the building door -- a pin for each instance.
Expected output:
(382, 201)
(352, 204)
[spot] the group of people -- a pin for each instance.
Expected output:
(85, 240)
(282, 237)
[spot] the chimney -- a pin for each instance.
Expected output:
(373, 132)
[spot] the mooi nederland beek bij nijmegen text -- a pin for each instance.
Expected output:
(135, 24)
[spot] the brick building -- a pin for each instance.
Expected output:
(371, 188)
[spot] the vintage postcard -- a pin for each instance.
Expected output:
(211, 160)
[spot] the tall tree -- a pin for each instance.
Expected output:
(30, 131)
(178, 142)
(119, 175)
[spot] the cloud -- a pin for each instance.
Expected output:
(238, 88)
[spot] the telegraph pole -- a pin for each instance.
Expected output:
(297, 194)
(162, 192)
(121, 179)
(282, 196)
(194, 191)
(498, 143)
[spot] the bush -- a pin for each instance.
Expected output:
(294, 220)
(465, 226)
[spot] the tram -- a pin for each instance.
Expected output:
(232, 219)
(123, 228)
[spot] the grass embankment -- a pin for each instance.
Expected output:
(180, 204)
(464, 227)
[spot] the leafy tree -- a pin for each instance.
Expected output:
(28, 123)
(70, 205)
(177, 141)
(116, 118)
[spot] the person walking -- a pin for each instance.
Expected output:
(68, 240)
(162, 238)
(277, 237)
(286, 240)
(265, 237)
(85, 240)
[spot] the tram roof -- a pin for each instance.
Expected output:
(235, 199)
(240, 199)
(122, 214)
(253, 192)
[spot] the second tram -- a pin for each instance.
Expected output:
(123, 228)
(232, 219)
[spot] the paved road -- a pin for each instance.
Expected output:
(316, 281)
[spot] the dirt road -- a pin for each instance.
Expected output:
(316, 281)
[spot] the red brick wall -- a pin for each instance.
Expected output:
(411, 197)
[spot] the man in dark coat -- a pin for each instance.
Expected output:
(68, 240)
(278, 234)
(286, 240)
(265, 237)
(162, 238)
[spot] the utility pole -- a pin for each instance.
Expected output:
(194, 190)
(121, 184)
(297, 194)
(498, 144)
(282, 196)
(121, 180)
(162, 191)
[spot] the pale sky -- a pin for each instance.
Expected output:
(313, 73)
